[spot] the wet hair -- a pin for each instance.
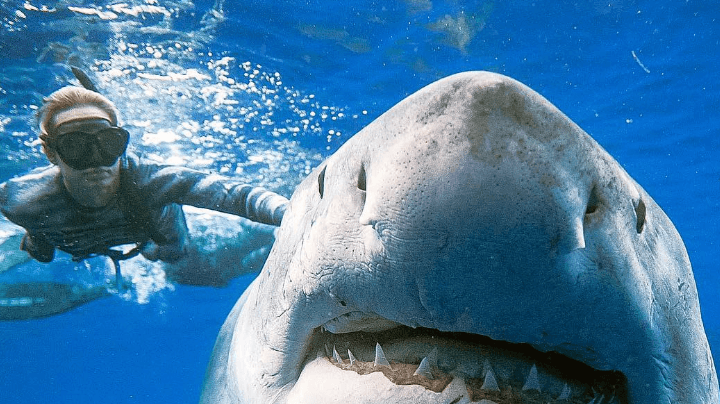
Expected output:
(66, 98)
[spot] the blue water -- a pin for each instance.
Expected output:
(264, 90)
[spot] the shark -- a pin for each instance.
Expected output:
(471, 244)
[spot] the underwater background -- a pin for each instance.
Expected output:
(264, 90)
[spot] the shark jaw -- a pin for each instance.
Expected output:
(444, 367)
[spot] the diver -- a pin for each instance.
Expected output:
(97, 195)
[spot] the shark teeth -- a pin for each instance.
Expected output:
(336, 356)
(489, 383)
(487, 387)
(424, 369)
(489, 370)
(566, 393)
(597, 400)
(427, 364)
(380, 359)
(532, 382)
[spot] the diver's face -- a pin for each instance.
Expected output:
(94, 186)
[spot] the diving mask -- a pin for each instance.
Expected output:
(76, 148)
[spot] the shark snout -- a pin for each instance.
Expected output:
(471, 244)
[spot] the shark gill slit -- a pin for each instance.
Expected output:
(362, 178)
(362, 185)
(321, 182)
(640, 211)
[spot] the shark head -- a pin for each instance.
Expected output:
(471, 243)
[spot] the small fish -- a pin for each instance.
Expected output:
(637, 59)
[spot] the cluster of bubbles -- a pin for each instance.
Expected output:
(185, 98)
(224, 115)
(183, 102)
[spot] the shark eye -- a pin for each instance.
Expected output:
(640, 211)
(321, 182)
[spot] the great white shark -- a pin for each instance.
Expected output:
(470, 244)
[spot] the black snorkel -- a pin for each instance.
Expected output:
(84, 79)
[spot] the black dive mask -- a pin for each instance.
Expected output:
(76, 148)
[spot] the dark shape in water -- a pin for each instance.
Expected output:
(42, 299)
(84, 79)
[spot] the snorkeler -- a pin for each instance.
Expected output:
(97, 196)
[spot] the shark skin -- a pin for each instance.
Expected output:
(472, 208)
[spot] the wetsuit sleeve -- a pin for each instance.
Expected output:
(165, 184)
(255, 203)
(11, 202)
(171, 240)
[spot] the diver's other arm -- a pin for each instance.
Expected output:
(26, 201)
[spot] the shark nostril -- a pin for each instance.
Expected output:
(593, 202)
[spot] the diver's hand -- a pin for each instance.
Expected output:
(279, 213)
(38, 248)
(167, 252)
(150, 251)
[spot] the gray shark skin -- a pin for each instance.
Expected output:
(472, 208)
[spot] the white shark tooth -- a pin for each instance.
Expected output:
(490, 383)
(380, 359)
(424, 369)
(566, 393)
(336, 356)
(596, 399)
(352, 358)
(532, 382)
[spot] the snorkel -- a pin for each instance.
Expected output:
(84, 79)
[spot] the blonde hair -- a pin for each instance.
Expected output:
(68, 97)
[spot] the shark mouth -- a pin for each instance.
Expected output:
(495, 371)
